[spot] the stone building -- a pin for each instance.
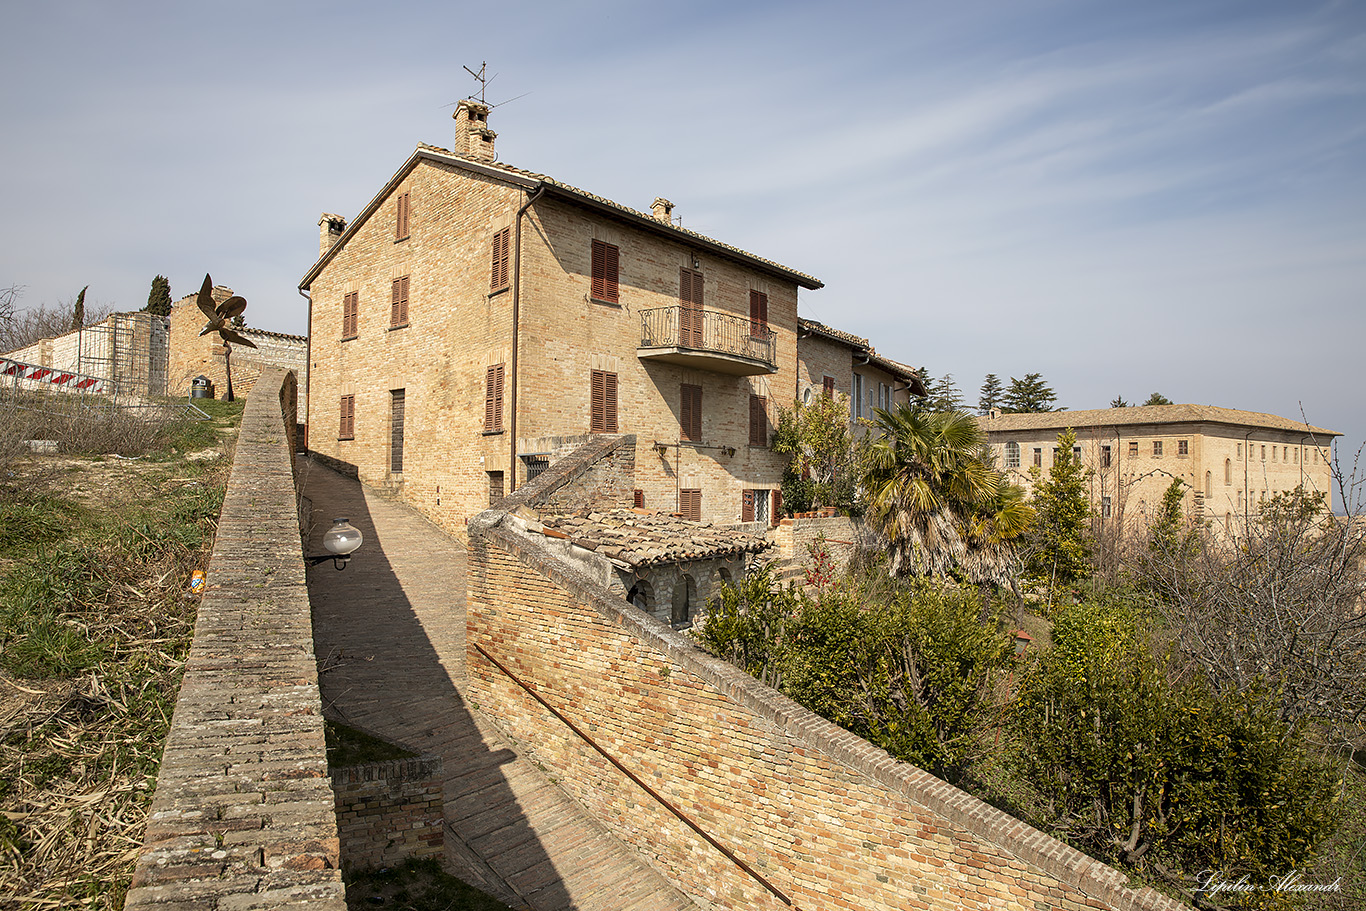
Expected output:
(1230, 461)
(836, 362)
(477, 320)
(193, 355)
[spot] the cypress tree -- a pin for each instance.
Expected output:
(159, 299)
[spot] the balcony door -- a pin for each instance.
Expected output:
(689, 308)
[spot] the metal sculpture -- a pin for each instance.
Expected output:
(220, 320)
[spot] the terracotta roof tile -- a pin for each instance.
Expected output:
(642, 538)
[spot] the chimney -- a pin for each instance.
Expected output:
(330, 227)
(663, 210)
(473, 138)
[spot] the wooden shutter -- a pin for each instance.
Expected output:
(495, 487)
(639, 498)
(747, 506)
(493, 399)
(401, 217)
(603, 417)
(690, 308)
(396, 409)
(350, 314)
(828, 387)
(346, 429)
(690, 412)
(690, 505)
(758, 314)
(775, 514)
(398, 309)
(758, 420)
(502, 242)
(605, 261)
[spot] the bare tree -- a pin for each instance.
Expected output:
(21, 328)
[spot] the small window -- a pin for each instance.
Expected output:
(1105, 507)
(401, 217)
(828, 387)
(1013, 455)
(347, 430)
(495, 487)
(690, 504)
(1133, 449)
(758, 314)
(1183, 448)
(1240, 450)
(1273, 453)
(535, 465)
(1263, 452)
(690, 412)
(1076, 453)
(1285, 453)
(639, 498)
(493, 399)
(502, 249)
(605, 272)
(603, 417)
(1228, 472)
(1105, 457)
(1297, 455)
(1157, 448)
(758, 420)
(1038, 457)
(398, 311)
(754, 505)
(350, 315)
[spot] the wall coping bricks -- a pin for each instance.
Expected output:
(243, 813)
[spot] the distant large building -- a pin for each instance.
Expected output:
(1230, 461)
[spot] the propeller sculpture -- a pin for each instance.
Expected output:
(220, 321)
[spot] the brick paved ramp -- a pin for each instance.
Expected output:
(390, 638)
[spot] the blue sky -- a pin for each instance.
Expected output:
(1125, 198)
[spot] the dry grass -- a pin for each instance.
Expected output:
(95, 623)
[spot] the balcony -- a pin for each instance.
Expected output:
(707, 340)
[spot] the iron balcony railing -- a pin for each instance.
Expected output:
(708, 332)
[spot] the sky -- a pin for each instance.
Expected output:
(1163, 196)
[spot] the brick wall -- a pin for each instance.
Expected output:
(193, 355)
(389, 811)
(243, 813)
(821, 816)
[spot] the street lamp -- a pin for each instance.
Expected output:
(340, 541)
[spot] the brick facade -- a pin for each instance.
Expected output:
(1230, 461)
(389, 811)
(811, 814)
(193, 355)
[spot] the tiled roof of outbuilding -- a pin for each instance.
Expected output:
(641, 538)
(1147, 414)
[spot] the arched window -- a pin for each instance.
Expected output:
(641, 595)
(685, 596)
(1209, 484)
(1228, 472)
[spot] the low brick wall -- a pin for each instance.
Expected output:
(810, 814)
(243, 813)
(389, 811)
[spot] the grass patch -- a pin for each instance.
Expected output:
(95, 625)
(417, 885)
(347, 746)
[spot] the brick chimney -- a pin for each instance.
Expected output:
(330, 227)
(663, 210)
(473, 138)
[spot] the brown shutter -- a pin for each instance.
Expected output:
(690, 308)
(609, 402)
(690, 412)
(758, 314)
(393, 302)
(747, 506)
(346, 429)
(639, 498)
(758, 420)
(493, 399)
(401, 217)
(775, 514)
(350, 314)
(611, 274)
(828, 387)
(396, 410)
(403, 301)
(502, 242)
(597, 421)
(605, 260)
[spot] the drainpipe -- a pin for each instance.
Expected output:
(308, 366)
(516, 326)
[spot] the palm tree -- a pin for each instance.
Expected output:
(936, 497)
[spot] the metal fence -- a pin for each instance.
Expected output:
(707, 331)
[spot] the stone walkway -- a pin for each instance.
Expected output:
(389, 633)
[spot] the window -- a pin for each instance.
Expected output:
(1285, 453)
(690, 504)
(1133, 449)
(1240, 450)
(1038, 457)
(828, 387)
(1157, 448)
(1105, 457)
(535, 465)
(639, 499)
(604, 282)
(690, 330)
(690, 412)
(495, 487)
(502, 244)
(754, 506)
(1105, 508)
(1183, 448)
(398, 311)
(758, 314)
(1297, 455)
(884, 396)
(350, 314)
(1228, 472)
(1076, 453)
(401, 217)
(1013, 455)
(758, 420)
(347, 430)
(776, 512)
(604, 403)
(1263, 452)
(1273, 453)
(493, 399)
(396, 407)
(856, 396)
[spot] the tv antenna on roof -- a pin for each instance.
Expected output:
(484, 81)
